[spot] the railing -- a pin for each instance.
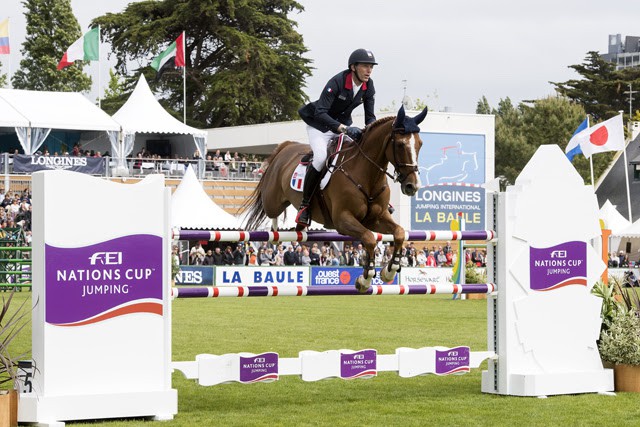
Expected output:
(142, 166)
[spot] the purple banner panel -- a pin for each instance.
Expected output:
(452, 361)
(94, 283)
(361, 364)
(558, 266)
(259, 368)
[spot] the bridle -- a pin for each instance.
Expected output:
(397, 166)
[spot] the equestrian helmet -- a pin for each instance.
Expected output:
(362, 56)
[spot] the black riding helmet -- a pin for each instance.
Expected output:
(362, 56)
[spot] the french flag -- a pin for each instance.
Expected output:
(296, 181)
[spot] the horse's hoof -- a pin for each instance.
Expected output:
(362, 285)
(388, 273)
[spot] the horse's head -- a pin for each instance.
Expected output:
(404, 148)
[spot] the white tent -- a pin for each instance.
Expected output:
(10, 117)
(191, 207)
(287, 223)
(41, 111)
(142, 113)
(613, 220)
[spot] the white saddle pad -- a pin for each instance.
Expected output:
(297, 179)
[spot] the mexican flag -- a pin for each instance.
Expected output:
(86, 48)
(175, 51)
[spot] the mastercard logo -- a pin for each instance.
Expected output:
(345, 277)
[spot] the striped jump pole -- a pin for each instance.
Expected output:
(325, 236)
(328, 290)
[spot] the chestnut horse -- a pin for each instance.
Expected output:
(356, 199)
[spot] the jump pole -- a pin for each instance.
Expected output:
(325, 236)
(329, 290)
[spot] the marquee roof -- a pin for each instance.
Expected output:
(142, 113)
(52, 110)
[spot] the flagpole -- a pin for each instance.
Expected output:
(591, 160)
(626, 176)
(9, 35)
(99, 74)
(184, 79)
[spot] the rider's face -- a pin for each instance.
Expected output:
(362, 71)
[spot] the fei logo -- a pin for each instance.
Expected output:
(558, 254)
(106, 258)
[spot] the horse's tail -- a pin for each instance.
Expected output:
(253, 205)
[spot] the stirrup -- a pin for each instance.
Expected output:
(303, 218)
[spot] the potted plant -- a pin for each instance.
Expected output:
(12, 321)
(620, 339)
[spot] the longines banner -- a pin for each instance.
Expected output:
(452, 171)
(89, 165)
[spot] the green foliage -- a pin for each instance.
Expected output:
(521, 130)
(483, 106)
(609, 303)
(51, 29)
(115, 95)
(620, 342)
(601, 89)
(472, 274)
(3, 79)
(12, 321)
(244, 58)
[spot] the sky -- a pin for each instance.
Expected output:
(445, 53)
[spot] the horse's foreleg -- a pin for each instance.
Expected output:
(350, 226)
(388, 226)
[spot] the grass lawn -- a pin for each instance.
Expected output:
(288, 325)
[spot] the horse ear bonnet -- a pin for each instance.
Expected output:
(409, 124)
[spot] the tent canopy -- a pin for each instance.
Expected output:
(53, 110)
(142, 113)
(191, 207)
(10, 117)
(613, 220)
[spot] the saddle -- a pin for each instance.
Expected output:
(334, 146)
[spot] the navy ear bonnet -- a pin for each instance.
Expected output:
(406, 124)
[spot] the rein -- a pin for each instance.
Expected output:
(396, 177)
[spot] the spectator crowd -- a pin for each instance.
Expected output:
(327, 254)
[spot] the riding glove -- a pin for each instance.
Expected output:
(353, 132)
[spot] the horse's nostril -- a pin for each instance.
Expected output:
(409, 189)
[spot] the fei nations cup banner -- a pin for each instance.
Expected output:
(101, 300)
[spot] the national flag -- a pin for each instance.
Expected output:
(603, 137)
(86, 48)
(4, 37)
(175, 51)
(573, 147)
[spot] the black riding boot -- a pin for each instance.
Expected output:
(311, 181)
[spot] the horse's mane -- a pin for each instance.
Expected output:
(378, 122)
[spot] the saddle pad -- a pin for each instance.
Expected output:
(297, 179)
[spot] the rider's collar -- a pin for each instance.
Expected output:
(348, 84)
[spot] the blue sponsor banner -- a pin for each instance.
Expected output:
(434, 207)
(448, 163)
(195, 275)
(451, 157)
(343, 276)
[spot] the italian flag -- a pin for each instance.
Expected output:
(86, 48)
(175, 50)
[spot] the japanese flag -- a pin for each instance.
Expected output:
(605, 136)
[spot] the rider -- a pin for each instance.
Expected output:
(331, 115)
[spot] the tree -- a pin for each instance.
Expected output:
(115, 95)
(483, 106)
(51, 29)
(521, 130)
(244, 58)
(601, 90)
(3, 79)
